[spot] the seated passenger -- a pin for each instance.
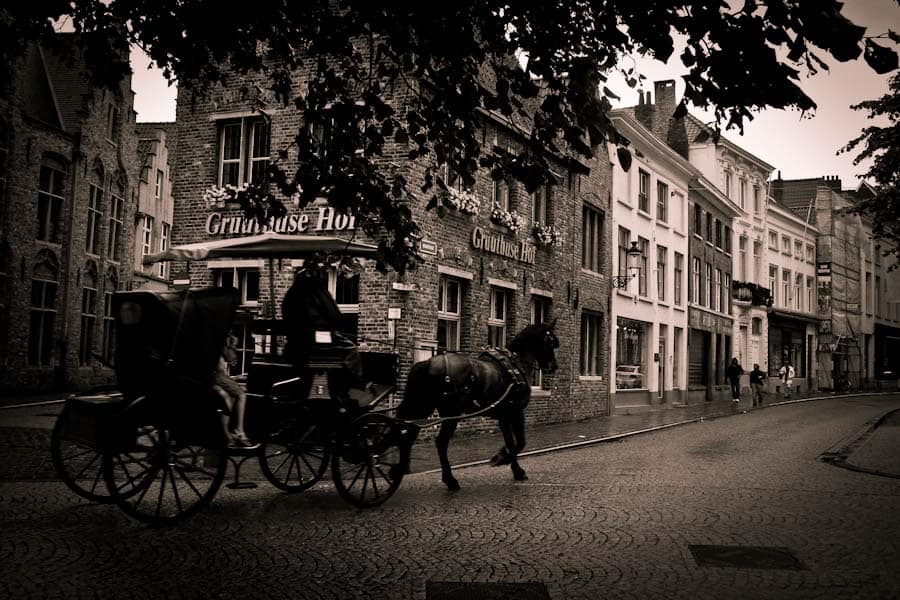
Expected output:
(234, 397)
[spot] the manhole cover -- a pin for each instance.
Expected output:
(454, 590)
(746, 557)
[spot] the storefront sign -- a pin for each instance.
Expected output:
(327, 219)
(497, 244)
(823, 268)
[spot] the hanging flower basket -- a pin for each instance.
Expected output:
(464, 202)
(513, 220)
(546, 235)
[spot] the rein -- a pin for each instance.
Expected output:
(439, 420)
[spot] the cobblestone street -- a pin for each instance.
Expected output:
(611, 520)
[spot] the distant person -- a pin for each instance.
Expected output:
(786, 375)
(733, 373)
(233, 395)
(756, 385)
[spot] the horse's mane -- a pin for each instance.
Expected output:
(529, 337)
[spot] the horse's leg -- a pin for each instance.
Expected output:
(516, 442)
(442, 442)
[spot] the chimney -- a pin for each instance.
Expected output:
(664, 108)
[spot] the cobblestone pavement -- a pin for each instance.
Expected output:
(605, 521)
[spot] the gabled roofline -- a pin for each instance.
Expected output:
(784, 211)
(729, 144)
(62, 123)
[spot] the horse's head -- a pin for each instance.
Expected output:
(540, 342)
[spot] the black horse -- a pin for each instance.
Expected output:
(457, 384)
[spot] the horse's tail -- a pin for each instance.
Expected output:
(420, 394)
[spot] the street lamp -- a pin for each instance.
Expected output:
(633, 266)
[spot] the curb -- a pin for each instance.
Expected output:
(618, 436)
(839, 454)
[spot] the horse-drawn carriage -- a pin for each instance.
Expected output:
(154, 443)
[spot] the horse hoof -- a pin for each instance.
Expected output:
(452, 485)
(499, 459)
(520, 476)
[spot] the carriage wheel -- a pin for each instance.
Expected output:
(295, 457)
(367, 464)
(160, 481)
(78, 464)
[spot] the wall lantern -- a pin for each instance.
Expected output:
(633, 267)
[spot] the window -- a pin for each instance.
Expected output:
(757, 261)
(344, 288)
(695, 282)
(868, 293)
(773, 240)
(717, 304)
(498, 317)
(810, 253)
(786, 298)
(50, 203)
(542, 201)
(786, 244)
(679, 273)
(718, 233)
(449, 305)
(728, 184)
(710, 287)
(114, 235)
(164, 235)
(624, 244)
(662, 201)
(591, 344)
(727, 239)
(698, 220)
(631, 353)
(243, 151)
(643, 191)
(709, 227)
(743, 193)
(877, 296)
(500, 194)
(798, 249)
(92, 235)
(798, 291)
(810, 307)
(756, 326)
(661, 257)
(726, 294)
(540, 313)
(42, 317)
(676, 358)
(773, 283)
(146, 239)
(158, 191)
(112, 122)
(109, 322)
(742, 258)
(644, 245)
(244, 279)
(591, 239)
(88, 316)
(757, 208)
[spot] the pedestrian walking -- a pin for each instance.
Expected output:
(756, 385)
(734, 372)
(786, 375)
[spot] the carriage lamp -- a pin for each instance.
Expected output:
(633, 267)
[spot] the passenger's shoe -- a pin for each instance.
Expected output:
(239, 439)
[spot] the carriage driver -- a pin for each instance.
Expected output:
(308, 311)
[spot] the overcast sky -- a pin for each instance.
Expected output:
(798, 146)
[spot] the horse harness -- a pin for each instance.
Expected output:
(462, 384)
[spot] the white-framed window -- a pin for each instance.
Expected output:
(742, 257)
(541, 205)
(500, 194)
(662, 201)
(644, 245)
(773, 283)
(540, 313)
(810, 253)
(798, 291)
(786, 297)
(785, 244)
(798, 249)
(743, 193)
(498, 316)
(449, 312)
(42, 316)
(344, 288)
(624, 244)
(717, 299)
(146, 239)
(88, 318)
(94, 217)
(757, 207)
(158, 190)
(50, 202)
(243, 151)
(695, 281)
(773, 240)
(244, 279)
(114, 234)
(710, 287)
(810, 304)
(662, 254)
(643, 191)
(164, 236)
(589, 360)
(726, 294)
(728, 184)
(677, 277)
(757, 260)
(591, 239)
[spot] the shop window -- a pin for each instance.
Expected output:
(42, 317)
(94, 216)
(590, 364)
(698, 357)
(116, 217)
(244, 280)
(677, 277)
(50, 202)
(243, 151)
(643, 191)
(88, 315)
(109, 323)
(449, 313)
(662, 201)
(592, 239)
(631, 354)
(540, 313)
(498, 316)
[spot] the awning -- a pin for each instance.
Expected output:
(265, 245)
(793, 316)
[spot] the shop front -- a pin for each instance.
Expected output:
(887, 356)
(791, 338)
(709, 352)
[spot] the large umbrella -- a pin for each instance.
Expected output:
(265, 245)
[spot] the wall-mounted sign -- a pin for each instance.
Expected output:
(823, 268)
(497, 244)
(327, 219)
(428, 247)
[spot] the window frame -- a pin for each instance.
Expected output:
(94, 219)
(500, 298)
(662, 201)
(446, 315)
(246, 160)
(662, 258)
(590, 359)
(115, 226)
(643, 191)
(643, 275)
(591, 238)
(50, 204)
(677, 276)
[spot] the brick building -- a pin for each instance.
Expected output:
(481, 282)
(153, 219)
(68, 183)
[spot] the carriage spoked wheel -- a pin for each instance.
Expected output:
(295, 456)
(367, 464)
(159, 480)
(77, 462)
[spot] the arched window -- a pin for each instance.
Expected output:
(88, 314)
(94, 208)
(50, 199)
(43, 309)
(109, 325)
